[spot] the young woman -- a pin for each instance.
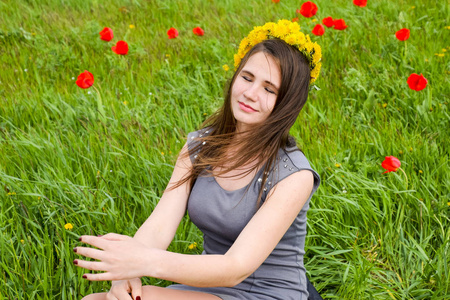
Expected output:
(245, 184)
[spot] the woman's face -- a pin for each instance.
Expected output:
(254, 91)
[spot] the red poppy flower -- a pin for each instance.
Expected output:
(328, 21)
(360, 3)
(295, 19)
(318, 30)
(417, 82)
(85, 80)
(308, 9)
(275, 1)
(402, 34)
(339, 24)
(106, 34)
(391, 164)
(172, 33)
(120, 48)
(198, 31)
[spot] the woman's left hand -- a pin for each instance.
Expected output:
(119, 258)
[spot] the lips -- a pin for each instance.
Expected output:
(246, 108)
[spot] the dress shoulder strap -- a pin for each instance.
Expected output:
(288, 162)
(193, 141)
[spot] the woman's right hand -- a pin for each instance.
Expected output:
(121, 290)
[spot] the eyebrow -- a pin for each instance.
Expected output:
(268, 82)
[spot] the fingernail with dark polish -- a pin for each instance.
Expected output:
(84, 276)
(75, 250)
(138, 298)
(75, 262)
(79, 238)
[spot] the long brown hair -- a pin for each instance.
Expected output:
(262, 142)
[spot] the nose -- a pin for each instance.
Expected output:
(251, 93)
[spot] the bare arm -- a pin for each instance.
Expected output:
(252, 247)
(160, 227)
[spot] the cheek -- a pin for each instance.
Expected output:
(270, 104)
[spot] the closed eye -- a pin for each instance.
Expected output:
(246, 78)
(269, 91)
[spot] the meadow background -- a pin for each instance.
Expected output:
(370, 235)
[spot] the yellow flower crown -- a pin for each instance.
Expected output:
(290, 33)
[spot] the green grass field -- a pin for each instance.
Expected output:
(101, 160)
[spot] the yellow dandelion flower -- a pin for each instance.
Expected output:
(284, 23)
(420, 171)
(317, 53)
(33, 33)
(237, 60)
(131, 26)
(444, 50)
(412, 7)
(291, 39)
(68, 226)
(162, 153)
(277, 32)
(192, 246)
(448, 203)
(315, 72)
(314, 20)
(22, 242)
(384, 105)
(294, 27)
(205, 114)
(337, 165)
(426, 59)
(226, 67)
(167, 55)
(125, 103)
(308, 39)
(441, 55)
(282, 29)
(410, 149)
(244, 43)
(448, 27)
(269, 26)
(400, 152)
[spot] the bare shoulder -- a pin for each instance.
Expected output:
(297, 185)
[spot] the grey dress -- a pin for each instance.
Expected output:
(221, 215)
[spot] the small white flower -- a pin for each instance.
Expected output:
(73, 78)
(150, 94)
(110, 170)
(89, 92)
(26, 70)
